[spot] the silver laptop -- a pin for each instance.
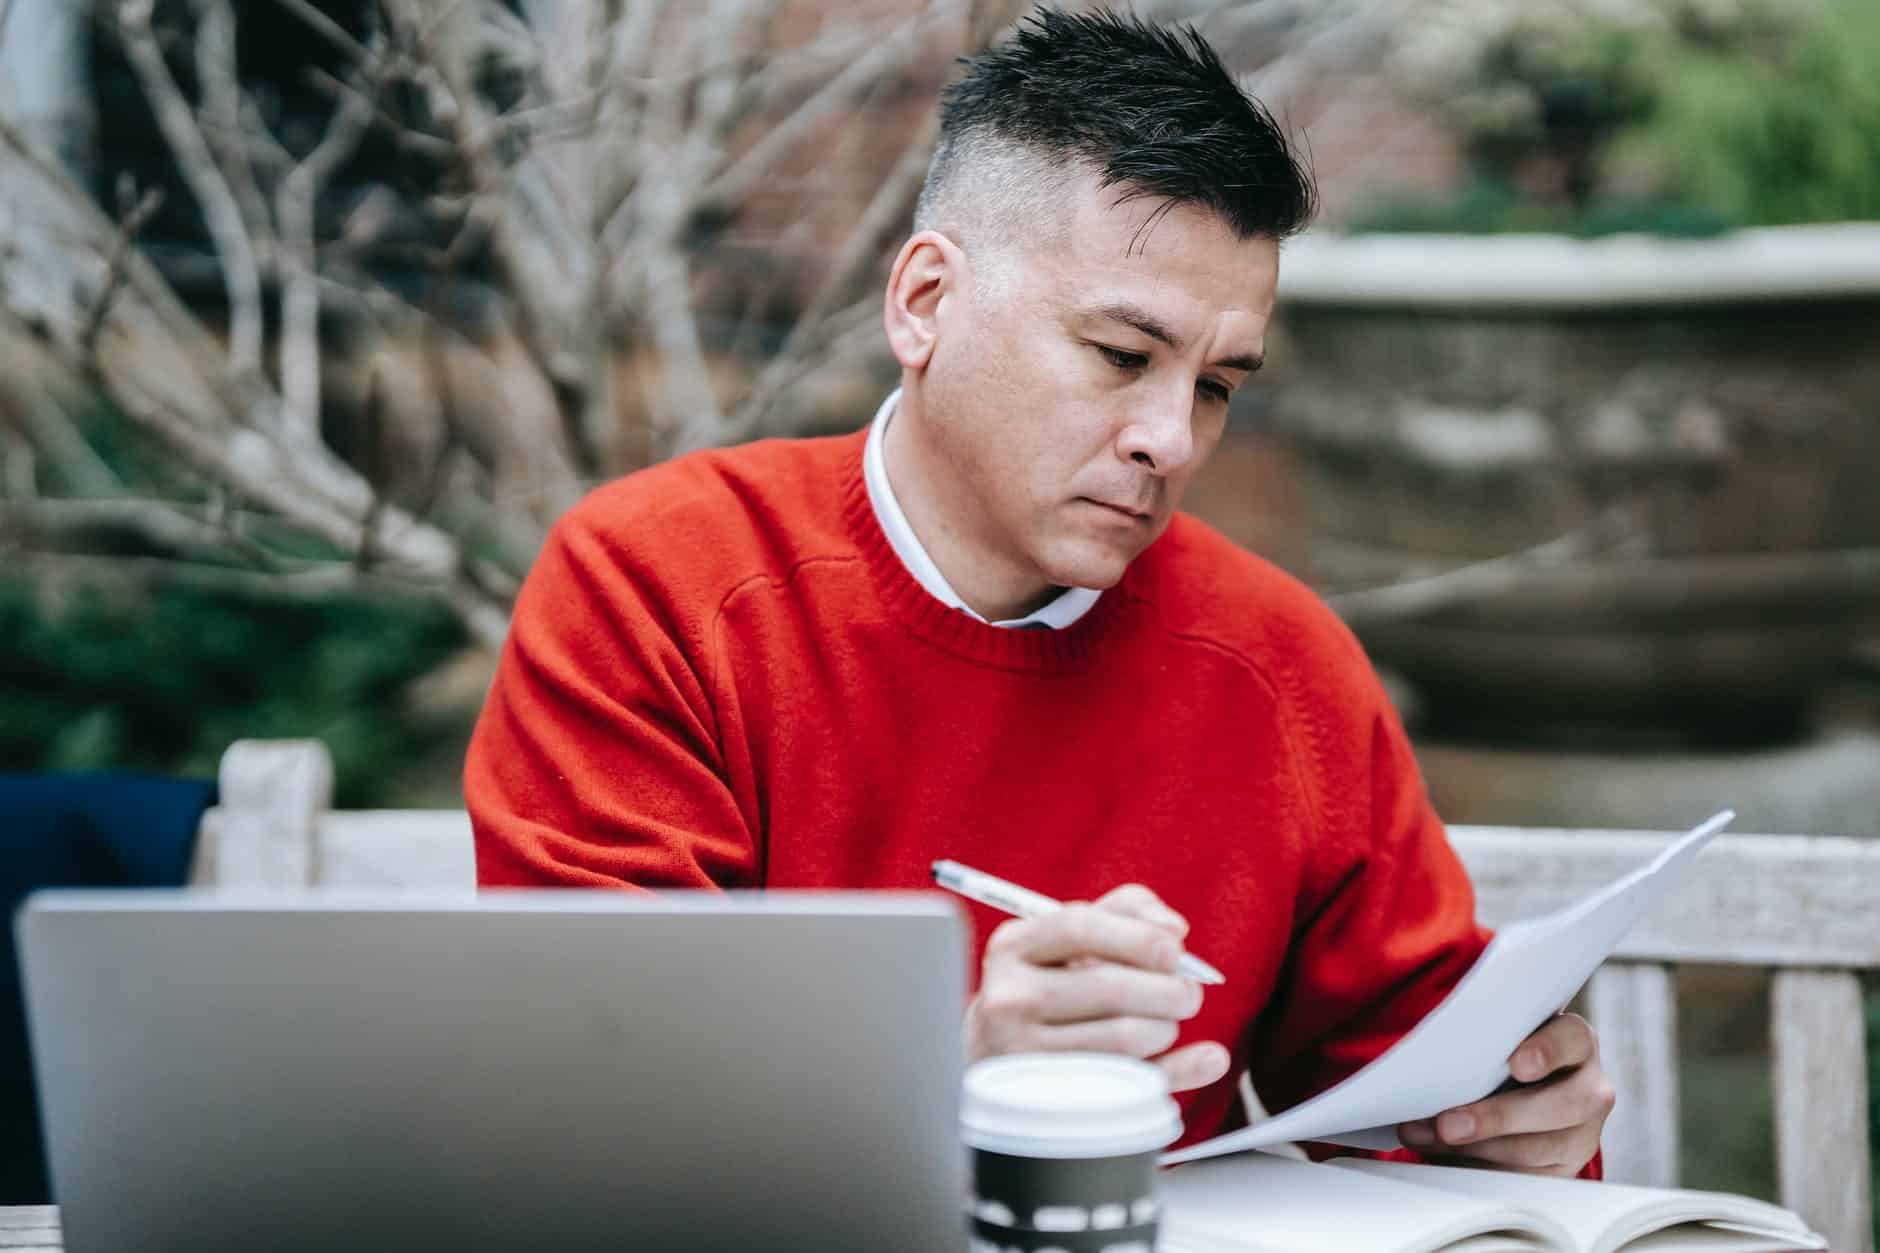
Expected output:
(567, 1070)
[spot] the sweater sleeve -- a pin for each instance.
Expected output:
(596, 761)
(1386, 924)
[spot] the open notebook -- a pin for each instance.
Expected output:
(1260, 1203)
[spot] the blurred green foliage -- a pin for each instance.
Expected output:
(1680, 119)
(1487, 205)
(1873, 1094)
(103, 669)
(1789, 137)
(96, 677)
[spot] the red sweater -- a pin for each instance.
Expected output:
(719, 673)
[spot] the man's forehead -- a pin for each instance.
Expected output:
(1121, 213)
(1191, 285)
(1144, 239)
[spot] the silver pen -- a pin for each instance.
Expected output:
(977, 885)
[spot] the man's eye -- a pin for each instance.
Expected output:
(1217, 391)
(1122, 360)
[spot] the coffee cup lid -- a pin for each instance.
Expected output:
(1067, 1105)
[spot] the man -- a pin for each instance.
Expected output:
(981, 631)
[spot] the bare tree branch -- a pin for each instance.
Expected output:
(1338, 43)
(326, 28)
(529, 290)
(886, 214)
(134, 222)
(221, 213)
(686, 143)
(149, 393)
(19, 473)
(626, 50)
(310, 489)
(844, 341)
(1416, 598)
(684, 376)
(94, 232)
(847, 85)
(294, 205)
(43, 423)
(415, 140)
(315, 585)
(219, 83)
(158, 524)
(682, 135)
(370, 437)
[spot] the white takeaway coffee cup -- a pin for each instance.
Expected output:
(1063, 1149)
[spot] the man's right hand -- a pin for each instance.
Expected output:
(1097, 977)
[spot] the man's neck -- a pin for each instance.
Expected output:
(932, 503)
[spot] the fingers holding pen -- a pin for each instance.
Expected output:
(1085, 931)
(1084, 977)
(1094, 1007)
(1136, 901)
(1101, 977)
(1093, 990)
(1129, 1036)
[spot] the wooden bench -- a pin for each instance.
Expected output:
(1806, 906)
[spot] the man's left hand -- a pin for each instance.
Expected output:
(1548, 1125)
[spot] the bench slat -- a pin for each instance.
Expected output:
(423, 849)
(1634, 1007)
(30, 1229)
(1754, 900)
(264, 831)
(1819, 1043)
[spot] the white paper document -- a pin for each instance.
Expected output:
(1459, 1052)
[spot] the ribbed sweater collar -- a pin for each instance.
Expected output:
(1038, 651)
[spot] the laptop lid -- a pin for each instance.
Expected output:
(568, 1070)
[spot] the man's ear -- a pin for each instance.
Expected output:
(928, 269)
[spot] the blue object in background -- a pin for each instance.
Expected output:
(110, 830)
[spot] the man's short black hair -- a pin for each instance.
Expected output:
(1149, 108)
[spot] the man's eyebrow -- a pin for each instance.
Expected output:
(1150, 325)
(1141, 319)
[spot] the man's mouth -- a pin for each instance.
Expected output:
(1128, 511)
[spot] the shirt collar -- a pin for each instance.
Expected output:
(1069, 605)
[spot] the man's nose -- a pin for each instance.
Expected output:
(1160, 437)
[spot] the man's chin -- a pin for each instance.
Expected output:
(1088, 565)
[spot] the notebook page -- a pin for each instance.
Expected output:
(1459, 1052)
(1497, 1243)
(1257, 1202)
(1605, 1217)
(1705, 1238)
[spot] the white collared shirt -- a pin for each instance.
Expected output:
(1070, 604)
